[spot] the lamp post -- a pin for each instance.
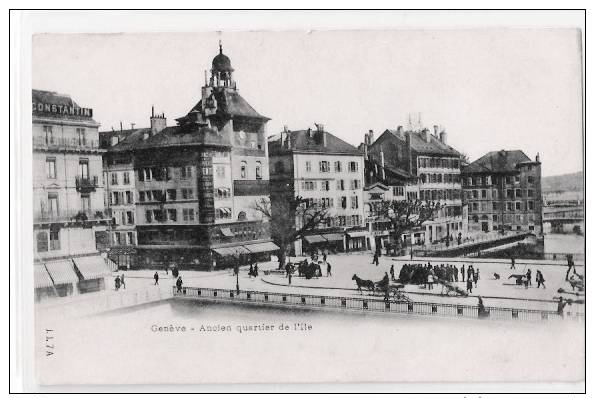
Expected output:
(237, 271)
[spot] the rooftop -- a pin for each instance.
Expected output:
(498, 161)
(311, 140)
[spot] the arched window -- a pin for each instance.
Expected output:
(243, 169)
(241, 216)
(42, 242)
(475, 219)
(258, 171)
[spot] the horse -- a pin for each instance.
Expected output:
(362, 283)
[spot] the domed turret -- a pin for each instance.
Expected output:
(221, 70)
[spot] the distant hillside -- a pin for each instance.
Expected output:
(563, 182)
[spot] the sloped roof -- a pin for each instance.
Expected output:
(230, 103)
(434, 147)
(311, 141)
(170, 136)
(497, 161)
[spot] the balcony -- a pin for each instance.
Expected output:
(86, 185)
(65, 144)
(70, 216)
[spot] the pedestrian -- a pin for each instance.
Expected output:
(328, 269)
(122, 281)
(256, 270)
(469, 285)
(570, 261)
(475, 277)
(251, 271)
(540, 279)
(481, 309)
(525, 282)
(529, 277)
(236, 269)
(289, 277)
(392, 272)
(375, 259)
(166, 269)
(470, 272)
(156, 277)
(561, 304)
(117, 283)
(287, 269)
(463, 272)
(430, 281)
(324, 257)
(179, 284)
(456, 273)
(512, 263)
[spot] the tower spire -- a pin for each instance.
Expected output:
(220, 47)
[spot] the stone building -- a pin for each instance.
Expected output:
(196, 184)
(69, 218)
(324, 170)
(503, 192)
(436, 165)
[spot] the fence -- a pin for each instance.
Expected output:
(368, 305)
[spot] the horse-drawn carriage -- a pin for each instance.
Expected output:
(383, 287)
(309, 270)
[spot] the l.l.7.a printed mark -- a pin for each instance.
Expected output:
(49, 342)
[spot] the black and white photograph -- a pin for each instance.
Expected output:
(401, 205)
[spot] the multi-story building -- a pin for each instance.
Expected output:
(324, 171)
(436, 165)
(197, 183)
(69, 215)
(503, 192)
(384, 183)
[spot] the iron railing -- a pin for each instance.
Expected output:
(70, 215)
(369, 304)
(65, 144)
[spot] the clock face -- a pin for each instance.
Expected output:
(242, 135)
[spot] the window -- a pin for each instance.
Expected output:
(517, 206)
(529, 193)
(141, 196)
(172, 214)
(517, 179)
(84, 168)
(186, 172)
(42, 242)
(496, 206)
(495, 218)
(223, 193)
(220, 171)
(129, 217)
(131, 238)
(398, 191)
(494, 194)
(354, 202)
(54, 239)
(188, 214)
(114, 178)
(53, 208)
(85, 203)
(338, 166)
(222, 213)
(149, 196)
(126, 178)
(518, 193)
(509, 206)
(308, 166)
(353, 167)
(49, 134)
(530, 205)
(324, 166)
(258, 171)
(325, 186)
(81, 134)
(309, 185)
(148, 174)
(171, 194)
(509, 194)
(484, 194)
(243, 170)
(474, 206)
(340, 185)
(475, 195)
(343, 202)
(50, 168)
(187, 193)
(129, 197)
(530, 179)
(149, 216)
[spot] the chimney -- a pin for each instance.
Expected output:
(537, 157)
(435, 130)
(370, 137)
(426, 134)
(400, 131)
(443, 136)
(158, 122)
(382, 163)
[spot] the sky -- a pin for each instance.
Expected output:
(490, 88)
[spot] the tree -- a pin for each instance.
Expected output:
(290, 220)
(408, 214)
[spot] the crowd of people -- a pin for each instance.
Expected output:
(428, 274)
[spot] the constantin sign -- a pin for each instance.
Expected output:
(62, 109)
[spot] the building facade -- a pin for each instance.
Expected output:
(196, 184)
(69, 216)
(328, 172)
(503, 192)
(436, 167)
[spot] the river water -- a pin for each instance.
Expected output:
(256, 344)
(564, 243)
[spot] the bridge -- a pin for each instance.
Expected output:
(474, 246)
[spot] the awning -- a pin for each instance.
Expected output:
(41, 277)
(62, 272)
(231, 251)
(92, 267)
(333, 237)
(357, 234)
(227, 232)
(262, 247)
(314, 239)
